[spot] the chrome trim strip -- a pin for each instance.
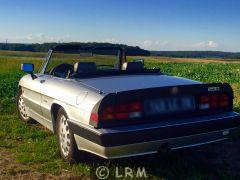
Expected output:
(155, 152)
(45, 63)
(199, 144)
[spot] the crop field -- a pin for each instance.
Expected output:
(30, 151)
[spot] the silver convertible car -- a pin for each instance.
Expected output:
(98, 100)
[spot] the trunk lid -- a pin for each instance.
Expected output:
(162, 103)
(135, 82)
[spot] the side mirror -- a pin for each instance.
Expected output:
(28, 68)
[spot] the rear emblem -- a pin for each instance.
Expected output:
(213, 89)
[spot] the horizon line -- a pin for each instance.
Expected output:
(120, 44)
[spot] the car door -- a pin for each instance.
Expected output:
(32, 95)
(52, 90)
(49, 90)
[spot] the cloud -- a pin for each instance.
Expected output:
(147, 44)
(37, 38)
(177, 46)
(154, 45)
(110, 40)
(212, 44)
(206, 45)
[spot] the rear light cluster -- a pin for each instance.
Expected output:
(119, 111)
(135, 109)
(214, 101)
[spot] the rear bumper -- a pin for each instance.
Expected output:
(152, 147)
(147, 139)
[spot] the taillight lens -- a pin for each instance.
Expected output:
(108, 113)
(214, 101)
(131, 110)
(121, 111)
(94, 117)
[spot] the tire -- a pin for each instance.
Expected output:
(66, 142)
(21, 108)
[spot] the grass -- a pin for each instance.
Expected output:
(35, 147)
(32, 146)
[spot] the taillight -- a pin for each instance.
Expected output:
(120, 111)
(107, 114)
(94, 117)
(214, 101)
(131, 110)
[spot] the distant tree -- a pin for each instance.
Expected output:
(130, 50)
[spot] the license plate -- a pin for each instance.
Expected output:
(169, 105)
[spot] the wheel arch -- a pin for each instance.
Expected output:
(54, 111)
(19, 88)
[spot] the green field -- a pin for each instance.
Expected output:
(34, 149)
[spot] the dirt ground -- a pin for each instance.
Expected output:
(223, 157)
(10, 169)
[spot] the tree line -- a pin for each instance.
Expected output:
(197, 54)
(130, 50)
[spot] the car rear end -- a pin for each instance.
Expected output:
(144, 121)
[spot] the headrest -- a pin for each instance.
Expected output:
(132, 66)
(85, 67)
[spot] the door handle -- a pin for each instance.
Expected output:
(42, 81)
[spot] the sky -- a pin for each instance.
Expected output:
(150, 24)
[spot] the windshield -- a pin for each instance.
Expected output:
(102, 59)
(94, 63)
